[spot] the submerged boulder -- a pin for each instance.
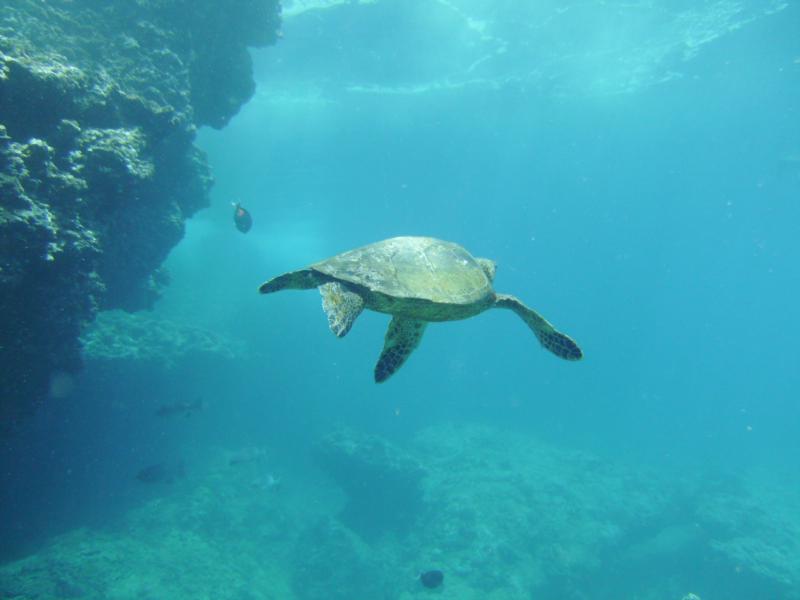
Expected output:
(383, 483)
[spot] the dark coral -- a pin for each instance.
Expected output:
(99, 104)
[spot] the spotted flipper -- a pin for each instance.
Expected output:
(341, 305)
(558, 343)
(402, 337)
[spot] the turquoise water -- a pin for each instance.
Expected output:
(633, 169)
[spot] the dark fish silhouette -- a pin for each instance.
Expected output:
(432, 579)
(180, 408)
(248, 455)
(242, 218)
(161, 473)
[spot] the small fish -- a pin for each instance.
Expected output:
(242, 218)
(247, 455)
(161, 473)
(432, 579)
(792, 158)
(268, 483)
(180, 408)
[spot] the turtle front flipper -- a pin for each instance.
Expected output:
(341, 305)
(304, 279)
(558, 343)
(402, 337)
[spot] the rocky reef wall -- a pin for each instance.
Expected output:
(99, 105)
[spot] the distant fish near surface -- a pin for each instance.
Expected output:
(432, 579)
(180, 408)
(161, 473)
(242, 218)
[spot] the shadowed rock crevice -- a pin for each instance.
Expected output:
(383, 484)
(99, 105)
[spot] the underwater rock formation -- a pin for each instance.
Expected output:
(755, 527)
(99, 104)
(355, 573)
(381, 481)
(504, 516)
(121, 336)
(204, 537)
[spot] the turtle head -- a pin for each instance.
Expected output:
(489, 267)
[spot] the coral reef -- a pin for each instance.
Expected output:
(117, 335)
(507, 512)
(357, 571)
(99, 104)
(195, 543)
(756, 534)
(505, 517)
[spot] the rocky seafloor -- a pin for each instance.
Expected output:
(99, 105)
(503, 515)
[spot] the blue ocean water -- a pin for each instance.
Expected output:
(634, 169)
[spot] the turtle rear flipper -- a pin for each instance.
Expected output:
(304, 279)
(402, 337)
(558, 343)
(341, 306)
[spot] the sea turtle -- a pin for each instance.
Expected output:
(416, 280)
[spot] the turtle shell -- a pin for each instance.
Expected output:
(413, 267)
